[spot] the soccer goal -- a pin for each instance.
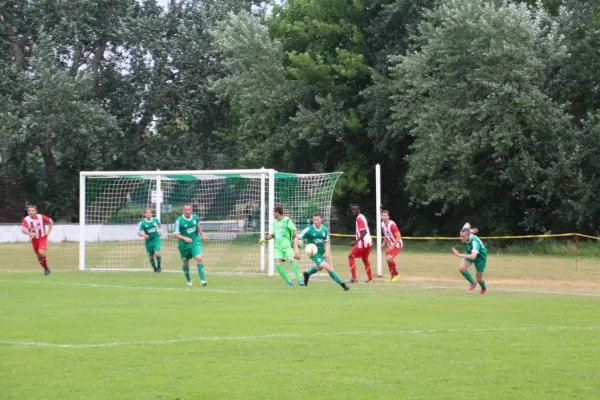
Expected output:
(234, 206)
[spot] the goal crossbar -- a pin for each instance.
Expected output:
(175, 173)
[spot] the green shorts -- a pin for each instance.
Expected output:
(479, 263)
(189, 251)
(318, 259)
(152, 247)
(285, 254)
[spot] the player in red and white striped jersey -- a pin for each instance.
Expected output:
(393, 242)
(34, 225)
(361, 247)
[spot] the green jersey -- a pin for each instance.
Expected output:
(150, 228)
(187, 228)
(283, 232)
(476, 244)
(316, 236)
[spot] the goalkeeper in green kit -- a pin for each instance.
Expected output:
(284, 232)
(318, 235)
(188, 231)
(149, 229)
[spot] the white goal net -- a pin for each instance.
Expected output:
(234, 207)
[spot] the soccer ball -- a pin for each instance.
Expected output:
(310, 249)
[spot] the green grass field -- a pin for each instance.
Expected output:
(132, 335)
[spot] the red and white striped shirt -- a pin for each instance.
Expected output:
(389, 233)
(361, 224)
(37, 225)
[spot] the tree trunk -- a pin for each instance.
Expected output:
(50, 164)
(20, 42)
(101, 45)
(98, 56)
(77, 60)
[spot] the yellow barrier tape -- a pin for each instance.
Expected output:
(588, 237)
(549, 235)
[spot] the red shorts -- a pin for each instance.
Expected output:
(39, 244)
(394, 252)
(360, 253)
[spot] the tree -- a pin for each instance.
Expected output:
(52, 132)
(146, 96)
(472, 96)
(293, 84)
(574, 77)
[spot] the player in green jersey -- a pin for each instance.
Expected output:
(284, 232)
(188, 231)
(318, 235)
(475, 253)
(149, 229)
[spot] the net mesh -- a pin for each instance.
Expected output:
(303, 195)
(228, 205)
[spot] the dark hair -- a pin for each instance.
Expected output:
(355, 205)
(278, 210)
(317, 214)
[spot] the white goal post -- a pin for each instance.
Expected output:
(234, 206)
(378, 219)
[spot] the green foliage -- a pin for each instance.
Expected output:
(486, 110)
(472, 96)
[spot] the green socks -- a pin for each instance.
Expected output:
(186, 271)
(153, 263)
(296, 271)
(468, 277)
(333, 275)
(336, 278)
(482, 284)
(283, 273)
(158, 262)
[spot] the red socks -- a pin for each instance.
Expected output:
(352, 267)
(392, 268)
(368, 268)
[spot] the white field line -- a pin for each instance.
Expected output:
(296, 336)
(495, 289)
(94, 285)
(388, 286)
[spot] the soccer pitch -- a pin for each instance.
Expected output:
(131, 335)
